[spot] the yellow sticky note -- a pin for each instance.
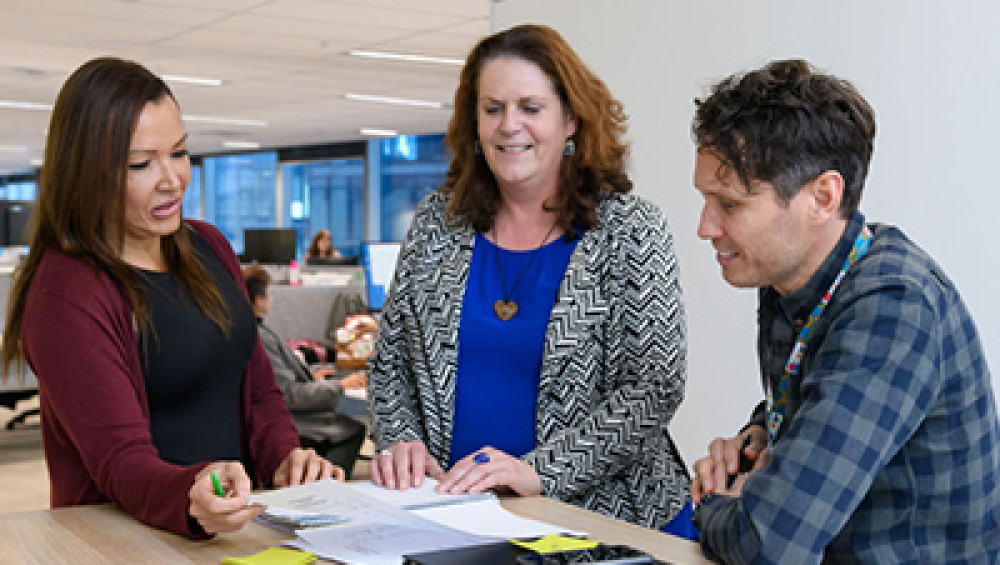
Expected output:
(554, 544)
(273, 556)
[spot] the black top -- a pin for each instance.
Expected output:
(194, 372)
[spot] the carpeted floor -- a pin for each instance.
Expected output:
(24, 483)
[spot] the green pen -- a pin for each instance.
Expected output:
(218, 485)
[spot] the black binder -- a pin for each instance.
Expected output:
(506, 553)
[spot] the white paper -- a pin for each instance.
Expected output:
(380, 532)
(382, 544)
(331, 497)
(489, 518)
(413, 498)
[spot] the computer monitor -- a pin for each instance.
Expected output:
(269, 245)
(379, 265)
(14, 217)
(332, 261)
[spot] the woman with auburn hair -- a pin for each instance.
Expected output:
(534, 338)
(322, 247)
(137, 325)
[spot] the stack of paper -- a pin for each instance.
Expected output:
(380, 526)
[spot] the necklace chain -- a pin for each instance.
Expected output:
(506, 307)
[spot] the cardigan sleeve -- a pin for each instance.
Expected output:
(98, 439)
(643, 378)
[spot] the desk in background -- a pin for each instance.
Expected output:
(303, 311)
(103, 534)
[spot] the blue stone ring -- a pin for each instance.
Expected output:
(481, 458)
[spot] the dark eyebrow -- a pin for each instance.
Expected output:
(180, 142)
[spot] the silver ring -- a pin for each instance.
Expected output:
(385, 452)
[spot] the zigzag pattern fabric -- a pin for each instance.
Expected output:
(613, 371)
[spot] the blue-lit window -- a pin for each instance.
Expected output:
(411, 166)
(19, 190)
(326, 195)
(240, 193)
(192, 204)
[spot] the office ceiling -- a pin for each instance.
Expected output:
(283, 62)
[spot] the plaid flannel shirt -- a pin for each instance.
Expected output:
(890, 448)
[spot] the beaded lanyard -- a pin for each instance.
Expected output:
(776, 406)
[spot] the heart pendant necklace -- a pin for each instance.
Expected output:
(505, 308)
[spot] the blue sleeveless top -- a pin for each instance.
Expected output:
(499, 362)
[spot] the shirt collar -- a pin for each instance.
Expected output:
(800, 303)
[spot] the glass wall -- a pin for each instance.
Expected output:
(332, 187)
(18, 189)
(326, 195)
(240, 192)
(193, 205)
(411, 166)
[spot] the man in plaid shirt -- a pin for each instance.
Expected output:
(879, 440)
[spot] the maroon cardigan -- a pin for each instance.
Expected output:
(79, 338)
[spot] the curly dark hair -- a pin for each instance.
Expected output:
(786, 124)
(596, 168)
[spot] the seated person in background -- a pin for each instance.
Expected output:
(136, 323)
(311, 398)
(321, 248)
(878, 441)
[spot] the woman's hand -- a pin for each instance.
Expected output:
(490, 468)
(304, 466)
(404, 465)
(712, 472)
(217, 514)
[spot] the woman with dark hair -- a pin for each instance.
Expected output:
(137, 325)
(321, 248)
(533, 340)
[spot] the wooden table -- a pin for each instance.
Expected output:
(104, 534)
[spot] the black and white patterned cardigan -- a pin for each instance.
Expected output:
(613, 368)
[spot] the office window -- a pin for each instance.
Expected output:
(192, 205)
(411, 166)
(326, 195)
(240, 193)
(19, 190)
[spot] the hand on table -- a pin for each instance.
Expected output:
(713, 471)
(404, 465)
(218, 514)
(357, 379)
(304, 466)
(490, 468)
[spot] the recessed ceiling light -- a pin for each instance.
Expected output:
(410, 57)
(226, 121)
(13, 148)
(20, 105)
(193, 80)
(392, 100)
(240, 144)
(376, 132)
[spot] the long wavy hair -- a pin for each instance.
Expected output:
(82, 193)
(595, 169)
(313, 250)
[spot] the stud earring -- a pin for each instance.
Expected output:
(478, 148)
(570, 147)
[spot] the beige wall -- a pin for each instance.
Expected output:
(929, 69)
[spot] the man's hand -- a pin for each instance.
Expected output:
(712, 473)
